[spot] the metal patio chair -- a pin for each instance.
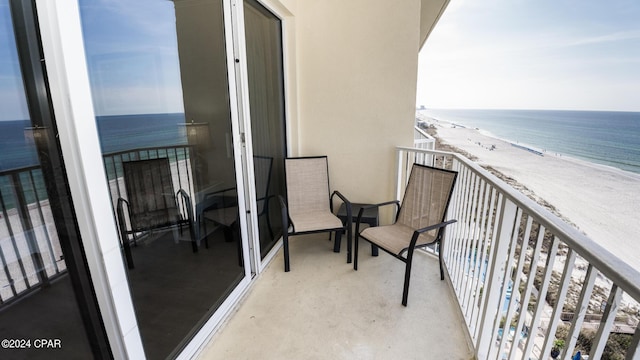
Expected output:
(151, 202)
(420, 220)
(308, 208)
(221, 207)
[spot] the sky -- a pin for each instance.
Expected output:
(12, 104)
(533, 54)
(132, 57)
(497, 54)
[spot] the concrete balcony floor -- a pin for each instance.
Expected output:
(323, 309)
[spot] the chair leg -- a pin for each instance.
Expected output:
(127, 252)
(407, 276)
(193, 236)
(349, 242)
(285, 245)
(355, 252)
(338, 242)
(440, 249)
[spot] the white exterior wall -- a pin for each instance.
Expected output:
(356, 75)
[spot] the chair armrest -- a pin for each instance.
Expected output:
(265, 207)
(436, 226)
(219, 191)
(184, 194)
(348, 205)
(336, 192)
(416, 234)
(344, 200)
(187, 200)
(122, 226)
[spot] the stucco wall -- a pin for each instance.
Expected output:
(356, 87)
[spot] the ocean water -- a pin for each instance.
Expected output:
(124, 132)
(603, 137)
(116, 133)
(15, 150)
(120, 132)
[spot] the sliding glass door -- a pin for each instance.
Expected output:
(160, 84)
(171, 131)
(263, 35)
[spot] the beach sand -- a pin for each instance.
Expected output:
(602, 202)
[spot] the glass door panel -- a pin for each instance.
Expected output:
(263, 32)
(159, 79)
(47, 307)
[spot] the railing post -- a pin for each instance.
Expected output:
(554, 320)
(608, 318)
(495, 278)
(399, 184)
(542, 292)
(580, 311)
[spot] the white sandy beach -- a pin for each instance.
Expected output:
(602, 202)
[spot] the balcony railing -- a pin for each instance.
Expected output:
(515, 265)
(422, 140)
(518, 271)
(30, 253)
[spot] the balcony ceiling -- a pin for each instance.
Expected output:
(430, 12)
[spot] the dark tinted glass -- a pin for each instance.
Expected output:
(160, 88)
(46, 301)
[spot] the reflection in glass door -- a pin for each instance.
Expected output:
(263, 31)
(159, 80)
(45, 289)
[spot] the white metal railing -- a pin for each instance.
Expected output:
(517, 271)
(422, 140)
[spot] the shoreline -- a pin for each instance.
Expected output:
(601, 201)
(631, 166)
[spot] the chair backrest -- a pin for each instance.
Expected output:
(307, 181)
(426, 196)
(150, 192)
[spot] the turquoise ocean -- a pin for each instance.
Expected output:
(609, 138)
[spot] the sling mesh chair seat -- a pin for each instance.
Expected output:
(420, 220)
(308, 208)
